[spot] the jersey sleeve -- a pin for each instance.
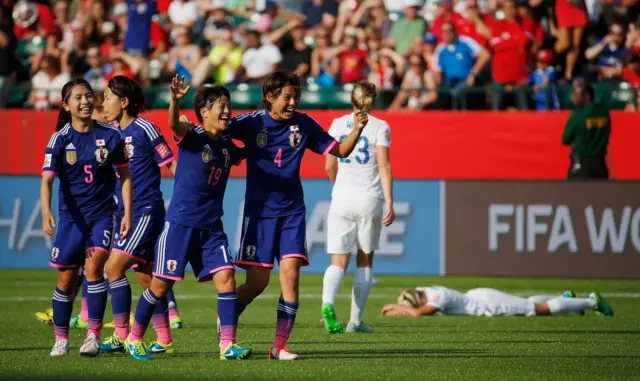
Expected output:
(119, 156)
(383, 135)
(333, 130)
(53, 156)
(319, 140)
(161, 152)
(236, 127)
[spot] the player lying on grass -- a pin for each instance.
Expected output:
(489, 302)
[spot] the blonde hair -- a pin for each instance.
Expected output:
(364, 96)
(410, 298)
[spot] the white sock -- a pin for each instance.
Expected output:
(566, 305)
(360, 293)
(541, 298)
(331, 284)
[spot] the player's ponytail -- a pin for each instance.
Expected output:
(410, 298)
(364, 96)
(64, 116)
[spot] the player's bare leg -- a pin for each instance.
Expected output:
(62, 305)
(331, 283)
(97, 293)
(361, 288)
(287, 308)
(225, 283)
(257, 279)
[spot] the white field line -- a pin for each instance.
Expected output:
(389, 296)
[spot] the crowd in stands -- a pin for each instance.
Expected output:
(427, 54)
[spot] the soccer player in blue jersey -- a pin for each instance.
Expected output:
(82, 153)
(274, 213)
(193, 232)
(147, 152)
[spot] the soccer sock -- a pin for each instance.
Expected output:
(286, 318)
(228, 315)
(360, 293)
(62, 305)
(144, 311)
(160, 319)
(331, 284)
(173, 305)
(121, 305)
(84, 310)
(97, 293)
(566, 305)
(541, 298)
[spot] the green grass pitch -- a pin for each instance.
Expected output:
(427, 348)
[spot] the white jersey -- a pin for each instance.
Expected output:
(358, 174)
(477, 302)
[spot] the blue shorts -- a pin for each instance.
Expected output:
(74, 237)
(267, 239)
(141, 241)
(206, 250)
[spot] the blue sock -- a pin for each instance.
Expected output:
(146, 306)
(62, 305)
(121, 305)
(287, 312)
(228, 314)
(97, 292)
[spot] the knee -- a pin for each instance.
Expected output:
(113, 271)
(562, 46)
(225, 281)
(160, 288)
(67, 280)
(341, 261)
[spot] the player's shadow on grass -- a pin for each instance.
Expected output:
(385, 353)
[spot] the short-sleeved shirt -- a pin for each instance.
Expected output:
(147, 152)
(201, 179)
(274, 152)
(456, 60)
(225, 71)
(138, 33)
(352, 65)
(588, 130)
(405, 31)
(259, 62)
(84, 164)
(292, 57)
(448, 301)
(358, 174)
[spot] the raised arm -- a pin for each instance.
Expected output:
(178, 91)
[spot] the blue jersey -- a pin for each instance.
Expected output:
(84, 164)
(274, 152)
(201, 179)
(547, 97)
(147, 152)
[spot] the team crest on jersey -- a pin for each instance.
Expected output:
(129, 150)
(101, 154)
(172, 265)
(294, 138)
(251, 251)
(54, 253)
(387, 135)
(128, 139)
(72, 157)
(261, 140)
(207, 154)
(47, 160)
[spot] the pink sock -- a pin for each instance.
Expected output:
(62, 333)
(173, 313)
(121, 322)
(137, 331)
(283, 330)
(227, 335)
(95, 326)
(84, 311)
(161, 326)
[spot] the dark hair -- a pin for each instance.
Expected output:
(255, 33)
(124, 87)
(206, 96)
(64, 116)
(276, 82)
(53, 62)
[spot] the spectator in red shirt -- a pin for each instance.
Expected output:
(631, 75)
(571, 16)
(351, 61)
(32, 19)
(445, 13)
(510, 43)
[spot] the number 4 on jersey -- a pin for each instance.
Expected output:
(278, 158)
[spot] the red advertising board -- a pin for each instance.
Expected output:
(425, 145)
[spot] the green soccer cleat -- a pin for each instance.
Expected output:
(235, 352)
(77, 322)
(330, 321)
(157, 347)
(112, 344)
(137, 350)
(601, 307)
(176, 323)
(571, 294)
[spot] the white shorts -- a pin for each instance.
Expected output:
(354, 221)
(490, 302)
